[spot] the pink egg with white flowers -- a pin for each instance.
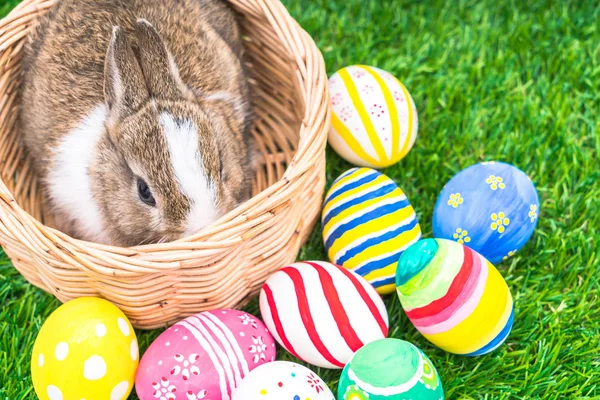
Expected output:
(205, 356)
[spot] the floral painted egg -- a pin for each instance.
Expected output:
(390, 369)
(205, 356)
(282, 380)
(454, 296)
(86, 349)
(322, 313)
(374, 119)
(492, 207)
(367, 224)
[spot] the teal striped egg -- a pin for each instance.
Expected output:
(367, 223)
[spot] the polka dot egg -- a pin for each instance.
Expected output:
(374, 119)
(282, 380)
(204, 356)
(454, 296)
(367, 223)
(492, 207)
(86, 349)
(390, 369)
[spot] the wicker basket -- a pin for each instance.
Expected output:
(156, 285)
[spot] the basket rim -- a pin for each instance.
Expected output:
(310, 144)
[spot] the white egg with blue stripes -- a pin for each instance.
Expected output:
(367, 223)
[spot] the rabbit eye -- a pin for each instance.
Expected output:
(145, 193)
(221, 166)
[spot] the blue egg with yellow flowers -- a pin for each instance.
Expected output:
(367, 223)
(491, 207)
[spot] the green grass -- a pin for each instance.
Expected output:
(492, 79)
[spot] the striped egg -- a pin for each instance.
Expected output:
(374, 119)
(367, 224)
(454, 296)
(322, 313)
(205, 356)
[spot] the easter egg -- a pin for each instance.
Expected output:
(367, 223)
(492, 207)
(204, 356)
(282, 380)
(322, 313)
(454, 296)
(390, 369)
(374, 119)
(86, 349)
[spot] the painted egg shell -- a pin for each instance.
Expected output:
(367, 224)
(86, 349)
(491, 207)
(282, 380)
(322, 313)
(390, 369)
(455, 297)
(374, 119)
(205, 356)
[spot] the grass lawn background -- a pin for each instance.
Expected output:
(492, 80)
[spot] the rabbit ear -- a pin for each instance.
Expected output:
(159, 69)
(124, 86)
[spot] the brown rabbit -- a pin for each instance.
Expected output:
(137, 113)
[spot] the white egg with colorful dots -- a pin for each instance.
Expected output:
(86, 349)
(282, 380)
(374, 120)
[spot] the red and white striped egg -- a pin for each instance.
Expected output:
(204, 356)
(322, 313)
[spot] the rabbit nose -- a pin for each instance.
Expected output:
(199, 218)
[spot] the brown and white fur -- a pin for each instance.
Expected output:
(122, 93)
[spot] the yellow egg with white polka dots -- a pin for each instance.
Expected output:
(86, 349)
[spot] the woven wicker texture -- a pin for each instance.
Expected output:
(221, 266)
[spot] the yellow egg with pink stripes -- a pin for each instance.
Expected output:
(374, 120)
(454, 296)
